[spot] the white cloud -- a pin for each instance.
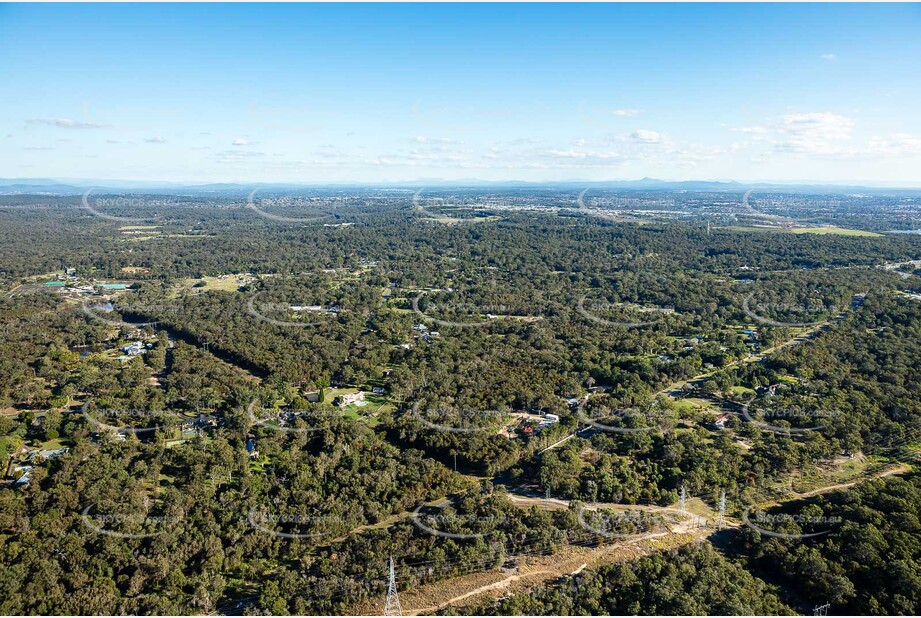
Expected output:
(897, 145)
(242, 141)
(625, 113)
(828, 57)
(67, 123)
(813, 132)
(156, 140)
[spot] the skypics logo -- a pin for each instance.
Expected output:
(288, 420)
(750, 210)
(294, 526)
(615, 525)
(471, 310)
(259, 311)
(453, 520)
(592, 211)
(119, 415)
(812, 310)
(789, 414)
(285, 202)
(628, 417)
(457, 118)
(607, 119)
(109, 203)
(106, 523)
(111, 307)
(446, 419)
(592, 309)
(763, 521)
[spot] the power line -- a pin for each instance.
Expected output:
(721, 519)
(392, 607)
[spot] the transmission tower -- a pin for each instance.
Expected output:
(721, 520)
(821, 610)
(682, 502)
(392, 607)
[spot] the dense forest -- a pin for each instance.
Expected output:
(221, 413)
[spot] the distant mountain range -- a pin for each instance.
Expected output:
(48, 186)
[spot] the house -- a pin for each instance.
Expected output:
(202, 421)
(720, 421)
(133, 349)
(23, 480)
(349, 398)
(312, 396)
(551, 418)
(251, 449)
(769, 391)
(378, 390)
(48, 454)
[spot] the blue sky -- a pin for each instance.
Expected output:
(543, 92)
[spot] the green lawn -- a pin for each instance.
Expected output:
(839, 231)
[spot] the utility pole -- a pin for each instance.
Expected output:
(720, 521)
(682, 501)
(821, 610)
(392, 607)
